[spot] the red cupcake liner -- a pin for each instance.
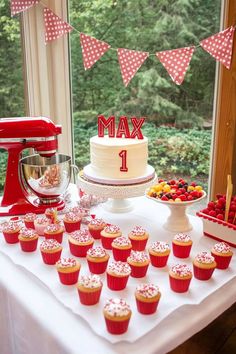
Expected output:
(138, 272)
(106, 242)
(96, 234)
(181, 251)
(222, 262)
(58, 237)
(121, 255)
(138, 245)
(179, 285)
(11, 237)
(147, 308)
(201, 273)
(117, 327)
(78, 250)
(158, 261)
(72, 226)
(29, 224)
(69, 278)
(51, 258)
(29, 246)
(116, 283)
(89, 298)
(97, 267)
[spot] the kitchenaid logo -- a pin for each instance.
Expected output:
(122, 130)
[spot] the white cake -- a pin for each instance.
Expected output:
(118, 160)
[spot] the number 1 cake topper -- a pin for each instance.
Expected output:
(123, 130)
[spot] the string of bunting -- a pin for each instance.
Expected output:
(175, 61)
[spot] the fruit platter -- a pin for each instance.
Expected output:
(177, 195)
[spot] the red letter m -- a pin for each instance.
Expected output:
(109, 124)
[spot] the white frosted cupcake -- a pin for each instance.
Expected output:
(89, 289)
(117, 314)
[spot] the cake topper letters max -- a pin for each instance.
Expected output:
(122, 129)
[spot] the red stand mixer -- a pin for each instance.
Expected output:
(17, 134)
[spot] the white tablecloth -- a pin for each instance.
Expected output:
(32, 319)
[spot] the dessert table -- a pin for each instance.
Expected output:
(33, 320)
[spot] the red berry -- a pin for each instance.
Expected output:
(230, 221)
(172, 181)
(231, 214)
(205, 211)
(232, 207)
(193, 184)
(218, 196)
(190, 197)
(178, 192)
(222, 201)
(219, 205)
(164, 198)
(182, 190)
(212, 213)
(211, 205)
(183, 197)
(220, 217)
(161, 180)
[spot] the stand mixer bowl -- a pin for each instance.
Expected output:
(46, 177)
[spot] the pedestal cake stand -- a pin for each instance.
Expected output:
(118, 195)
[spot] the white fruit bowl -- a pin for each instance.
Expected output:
(178, 220)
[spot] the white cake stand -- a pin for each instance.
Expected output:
(118, 196)
(178, 220)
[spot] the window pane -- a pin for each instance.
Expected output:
(179, 118)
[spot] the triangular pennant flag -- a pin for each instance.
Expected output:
(19, 6)
(130, 61)
(55, 27)
(220, 46)
(176, 62)
(92, 50)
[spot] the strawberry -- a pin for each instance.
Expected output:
(212, 213)
(164, 198)
(220, 216)
(189, 197)
(183, 197)
(211, 205)
(205, 211)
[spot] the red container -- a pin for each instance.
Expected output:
(181, 251)
(96, 234)
(158, 261)
(11, 237)
(29, 246)
(106, 242)
(138, 272)
(29, 224)
(89, 298)
(121, 254)
(51, 258)
(116, 283)
(222, 262)
(117, 327)
(79, 250)
(147, 308)
(72, 226)
(69, 278)
(138, 245)
(58, 237)
(97, 267)
(179, 285)
(202, 274)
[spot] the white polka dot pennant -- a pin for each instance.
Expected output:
(130, 61)
(176, 62)
(92, 50)
(220, 46)
(55, 27)
(18, 6)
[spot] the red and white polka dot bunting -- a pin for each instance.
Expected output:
(92, 50)
(220, 46)
(176, 62)
(55, 27)
(130, 61)
(18, 6)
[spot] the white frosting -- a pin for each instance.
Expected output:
(147, 290)
(119, 268)
(106, 162)
(117, 307)
(90, 281)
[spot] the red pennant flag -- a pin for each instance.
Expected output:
(130, 61)
(92, 50)
(19, 6)
(220, 46)
(176, 62)
(55, 27)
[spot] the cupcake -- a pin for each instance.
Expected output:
(180, 276)
(159, 253)
(181, 245)
(72, 222)
(11, 231)
(117, 315)
(80, 242)
(89, 289)
(50, 251)
(29, 220)
(121, 248)
(97, 259)
(108, 234)
(204, 265)
(28, 239)
(222, 254)
(81, 212)
(139, 262)
(118, 275)
(147, 297)
(68, 270)
(95, 227)
(40, 224)
(54, 231)
(138, 237)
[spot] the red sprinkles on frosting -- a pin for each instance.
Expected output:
(53, 228)
(11, 226)
(71, 217)
(30, 217)
(90, 281)
(66, 262)
(182, 237)
(138, 231)
(28, 233)
(122, 241)
(96, 252)
(147, 290)
(97, 222)
(81, 236)
(119, 268)
(117, 307)
(50, 244)
(160, 246)
(222, 247)
(139, 256)
(112, 229)
(205, 257)
(79, 210)
(42, 220)
(182, 270)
